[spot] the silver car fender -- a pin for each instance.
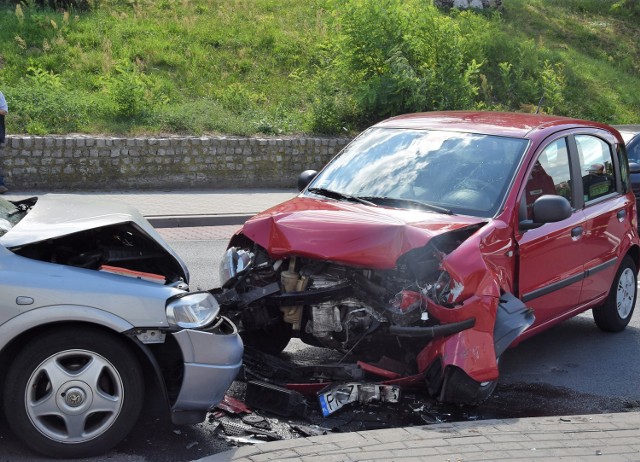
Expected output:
(62, 313)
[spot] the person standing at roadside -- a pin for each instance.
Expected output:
(4, 109)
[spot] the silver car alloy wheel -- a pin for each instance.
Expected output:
(625, 293)
(74, 396)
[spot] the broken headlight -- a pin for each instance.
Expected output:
(442, 288)
(235, 261)
(192, 310)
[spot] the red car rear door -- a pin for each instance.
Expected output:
(608, 212)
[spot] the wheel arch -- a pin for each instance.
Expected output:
(151, 372)
(634, 253)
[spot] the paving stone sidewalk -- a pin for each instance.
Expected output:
(602, 437)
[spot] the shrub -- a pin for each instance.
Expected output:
(417, 58)
(39, 110)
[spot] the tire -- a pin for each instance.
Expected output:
(459, 388)
(616, 312)
(73, 393)
(272, 339)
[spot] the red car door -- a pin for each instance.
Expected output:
(550, 264)
(608, 213)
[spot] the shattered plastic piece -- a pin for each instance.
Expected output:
(233, 406)
(337, 396)
(378, 371)
(242, 439)
(192, 444)
(232, 428)
(257, 421)
(329, 372)
(308, 389)
(306, 430)
(273, 398)
(429, 419)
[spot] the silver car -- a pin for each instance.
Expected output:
(95, 313)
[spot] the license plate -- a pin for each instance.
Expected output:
(337, 397)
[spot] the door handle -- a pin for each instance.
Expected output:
(576, 232)
(622, 214)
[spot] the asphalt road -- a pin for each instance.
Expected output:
(573, 368)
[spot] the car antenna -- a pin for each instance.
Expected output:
(539, 104)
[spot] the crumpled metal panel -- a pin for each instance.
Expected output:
(211, 363)
(57, 215)
(353, 234)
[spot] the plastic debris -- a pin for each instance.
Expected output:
(337, 396)
(233, 406)
(276, 399)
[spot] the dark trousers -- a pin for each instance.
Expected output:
(2, 134)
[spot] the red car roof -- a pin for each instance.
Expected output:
(492, 123)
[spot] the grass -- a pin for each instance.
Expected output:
(271, 66)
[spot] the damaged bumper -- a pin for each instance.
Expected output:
(212, 359)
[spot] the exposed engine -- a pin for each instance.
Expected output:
(332, 305)
(121, 246)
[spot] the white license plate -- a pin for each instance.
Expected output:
(335, 398)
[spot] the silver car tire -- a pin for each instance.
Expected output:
(615, 313)
(73, 393)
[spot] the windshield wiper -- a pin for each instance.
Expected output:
(339, 195)
(423, 205)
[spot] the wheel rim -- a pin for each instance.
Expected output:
(74, 396)
(625, 293)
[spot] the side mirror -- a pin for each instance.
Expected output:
(305, 178)
(547, 209)
(634, 167)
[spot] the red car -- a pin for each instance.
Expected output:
(439, 240)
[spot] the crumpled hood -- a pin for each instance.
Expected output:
(346, 232)
(57, 215)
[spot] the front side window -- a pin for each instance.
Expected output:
(551, 174)
(463, 173)
(596, 167)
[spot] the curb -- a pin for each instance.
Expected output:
(189, 221)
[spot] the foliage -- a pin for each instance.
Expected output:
(320, 66)
(419, 59)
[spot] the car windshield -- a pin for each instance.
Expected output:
(9, 216)
(446, 172)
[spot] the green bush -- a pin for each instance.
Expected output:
(320, 66)
(40, 110)
(418, 58)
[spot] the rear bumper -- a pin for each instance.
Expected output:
(212, 359)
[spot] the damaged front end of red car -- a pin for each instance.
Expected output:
(434, 295)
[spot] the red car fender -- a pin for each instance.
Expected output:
(471, 350)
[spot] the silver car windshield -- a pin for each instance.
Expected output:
(448, 172)
(9, 216)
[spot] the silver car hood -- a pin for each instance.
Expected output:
(57, 215)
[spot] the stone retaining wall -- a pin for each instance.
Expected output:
(108, 163)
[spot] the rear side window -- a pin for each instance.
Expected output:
(596, 167)
(624, 168)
